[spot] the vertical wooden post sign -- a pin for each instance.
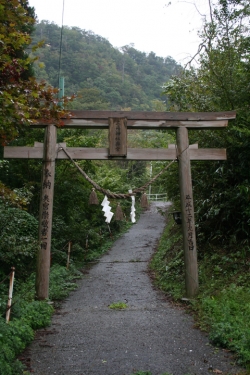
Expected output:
(187, 212)
(45, 215)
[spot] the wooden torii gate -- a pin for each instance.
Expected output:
(118, 122)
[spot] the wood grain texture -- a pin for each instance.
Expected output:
(83, 153)
(144, 115)
(172, 145)
(187, 213)
(22, 152)
(169, 124)
(117, 137)
(146, 120)
(40, 144)
(45, 213)
(140, 124)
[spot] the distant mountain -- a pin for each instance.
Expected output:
(102, 76)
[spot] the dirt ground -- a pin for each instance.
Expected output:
(88, 338)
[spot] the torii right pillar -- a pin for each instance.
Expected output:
(187, 213)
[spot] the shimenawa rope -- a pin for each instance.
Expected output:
(107, 192)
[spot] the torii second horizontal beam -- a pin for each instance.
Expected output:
(83, 153)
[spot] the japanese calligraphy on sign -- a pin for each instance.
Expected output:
(190, 221)
(117, 137)
(44, 225)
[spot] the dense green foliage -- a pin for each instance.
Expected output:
(22, 97)
(221, 82)
(227, 317)
(18, 238)
(102, 76)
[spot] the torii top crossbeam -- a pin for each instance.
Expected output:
(130, 120)
(147, 120)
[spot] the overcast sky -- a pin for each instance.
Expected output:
(152, 25)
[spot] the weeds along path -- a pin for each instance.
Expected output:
(89, 338)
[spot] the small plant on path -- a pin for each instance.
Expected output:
(118, 305)
(149, 373)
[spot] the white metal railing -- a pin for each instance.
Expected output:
(157, 197)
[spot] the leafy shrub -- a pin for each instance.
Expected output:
(18, 238)
(36, 313)
(13, 339)
(61, 281)
(227, 315)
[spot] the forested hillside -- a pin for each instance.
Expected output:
(102, 76)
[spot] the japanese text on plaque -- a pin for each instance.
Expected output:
(189, 210)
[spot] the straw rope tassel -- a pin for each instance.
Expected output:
(118, 213)
(93, 197)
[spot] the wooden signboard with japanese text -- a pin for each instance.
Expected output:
(117, 137)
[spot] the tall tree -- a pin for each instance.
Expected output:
(221, 82)
(22, 97)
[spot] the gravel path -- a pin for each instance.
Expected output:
(88, 338)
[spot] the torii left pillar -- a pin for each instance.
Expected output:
(45, 214)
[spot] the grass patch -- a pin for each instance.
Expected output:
(222, 307)
(149, 373)
(118, 305)
(226, 315)
(168, 262)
